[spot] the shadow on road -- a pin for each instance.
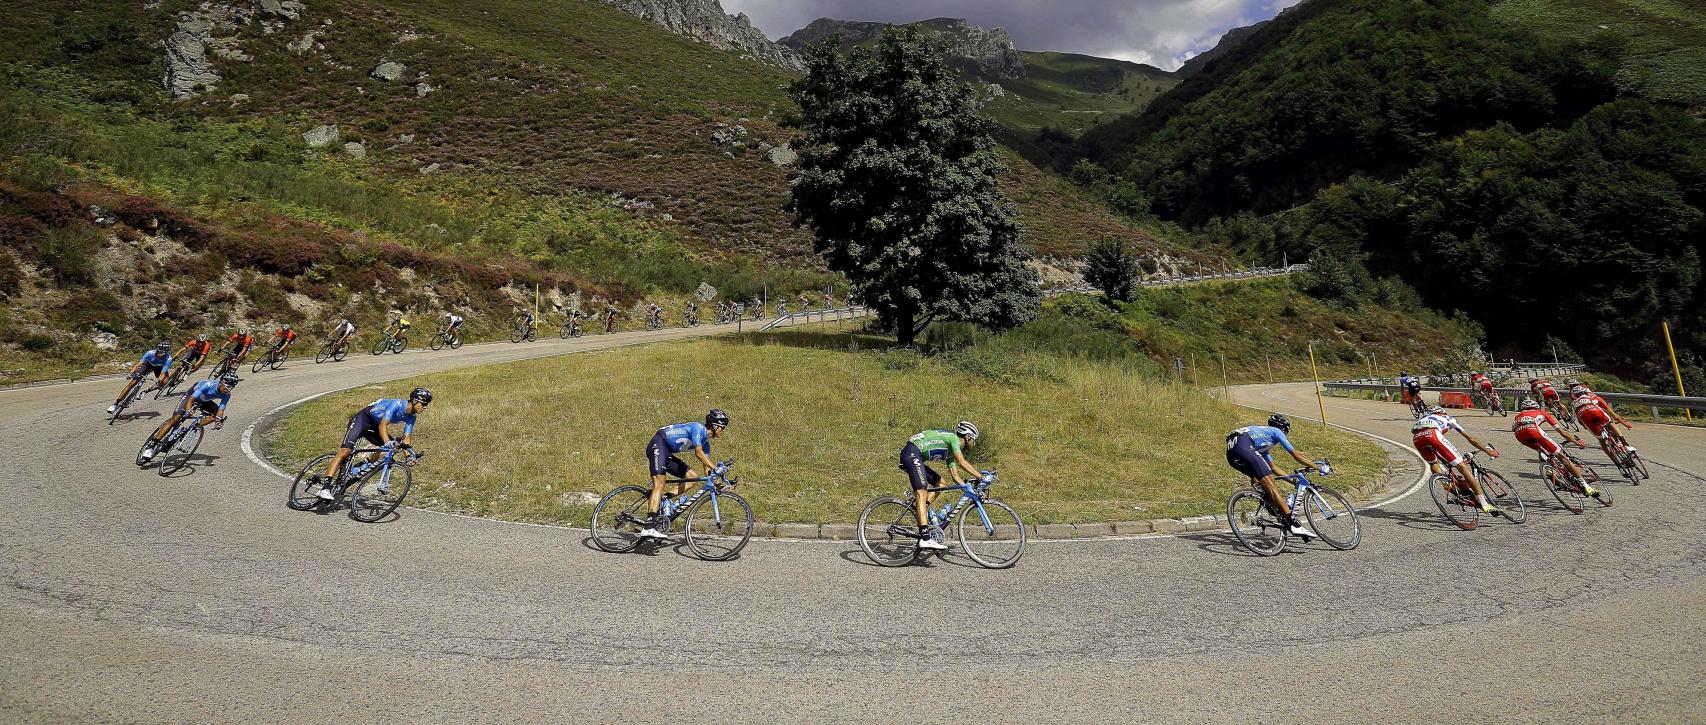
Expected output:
(1220, 542)
(138, 415)
(195, 463)
(1419, 520)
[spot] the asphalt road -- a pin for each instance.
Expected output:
(129, 597)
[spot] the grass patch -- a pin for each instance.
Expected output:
(817, 430)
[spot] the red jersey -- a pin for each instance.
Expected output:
(288, 335)
(244, 342)
(199, 348)
(1534, 418)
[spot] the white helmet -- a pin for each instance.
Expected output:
(966, 430)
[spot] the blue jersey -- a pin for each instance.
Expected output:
(207, 391)
(686, 436)
(155, 358)
(393, 410)
(1410, 381)
(1265, 437)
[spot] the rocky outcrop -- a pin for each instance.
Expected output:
(320, 137)
(705, 22)
(388, 71)
(990, 51)
(215, 30)
(1227, 42)
(188, 70)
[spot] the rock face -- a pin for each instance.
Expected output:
(1227, 42)
(188, 71)
(388, 71)
(988, 50)
(216, 30)
(705, 22)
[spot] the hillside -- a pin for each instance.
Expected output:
(562, 142)
(1491, 155)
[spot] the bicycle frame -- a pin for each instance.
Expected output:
(708, 485)
(384, 464)
(1304, 487)
(968, 492)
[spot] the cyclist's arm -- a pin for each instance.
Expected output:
(1302, 459)
(704, 458)
(1476, 442)
(1568, 435)
(958, 464)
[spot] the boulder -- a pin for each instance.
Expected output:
(705, 292)
(104, 341)
(422, 88)
(305, 44)
(388, 71)
(705, 21)
(321, 136)
(355, 149)
(188, 70)
(783, 156)
(287, 9)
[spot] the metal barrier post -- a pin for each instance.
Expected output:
(1677, 370)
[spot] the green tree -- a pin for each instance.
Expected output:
(1111, 267)
(897, 181)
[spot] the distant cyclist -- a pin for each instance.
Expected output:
(156, 362)
(239, 345)
(935, 445)
(527, 318)
(341, 333)
(661, 461)
(1411, 386)
(1542, 390)
(1597, 415)
(1248, 452)
(1483, 384)
(208, 397)
(373, 424)
(452, 325)
(1527, 425)
(194, 353)
(1428, 434)
(398, 326)
(283, 339)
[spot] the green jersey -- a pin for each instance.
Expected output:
(938, 445)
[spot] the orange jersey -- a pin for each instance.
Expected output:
(198, 347)
(244, 342)
(288, 335)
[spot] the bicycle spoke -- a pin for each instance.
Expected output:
(1255, 524)
(993, 535)
(888, 532)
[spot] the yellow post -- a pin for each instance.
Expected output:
(535, 298)
(1676, 369)
(1313, 372)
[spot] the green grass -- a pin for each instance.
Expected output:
(1074, 92)
(817, 429)
(1666, 39)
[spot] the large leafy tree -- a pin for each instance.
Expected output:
(897, 181)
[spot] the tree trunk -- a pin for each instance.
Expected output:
(904, 331)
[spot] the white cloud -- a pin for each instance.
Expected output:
(1162, 33)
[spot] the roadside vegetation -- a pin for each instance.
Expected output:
(818, 428)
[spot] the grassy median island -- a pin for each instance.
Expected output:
(817, 429)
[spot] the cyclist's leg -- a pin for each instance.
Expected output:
(920, 477)
(1242, 456)
(360, 427)
(128, 384)
(171, 420)
(661, 463)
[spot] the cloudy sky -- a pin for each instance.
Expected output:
(1161, 33)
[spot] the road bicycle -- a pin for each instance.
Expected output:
(333, 350)
(718, 521)
(395, 340)
(374, 488)
(654, 320)
(609, 321)
(442, 338)
(756, 308)
(692, 317)
(989, 531)
(1261, 528)
(524, 331)
(1567, 418)
(1456, 501)
(1418, 408)
(1493, 403)
(1628, 460)
(571, 327)
(1570, 491)
(274, 359)
(180, 371)
(135, 394)
(174, 451)
(227, 364)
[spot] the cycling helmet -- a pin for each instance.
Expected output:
(717, 418)
(229, 380)
(1437, 410)
(1530, 404)
(1281, 422)
(966, 430)
(162, 347)
(1572, 382)
(1532, 381)
(1403, 374)
(421, 394)
(243, 332)
(201, 338)
(287, 328)
(1580, 392)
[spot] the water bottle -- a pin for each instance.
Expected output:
(360, 468)
(1291, 500)
(668, 508)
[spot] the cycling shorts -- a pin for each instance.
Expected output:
(207, 407)
(1550, 394)
(362, 427)
(1433, 446)
(1533, 437)
(1242, 456)
(662, 462)
(154, 368)
(919, 475)
(1593, 419)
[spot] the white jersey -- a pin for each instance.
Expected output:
(1444, 422)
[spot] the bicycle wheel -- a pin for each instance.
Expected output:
(260, 363)
(1638, 464)
(564, 332)
(995, 543)
(456, 342)
(437, 342)
(1588, 474)
(380, 347)
(174, 460)
(379, 492)
(888, 532)
(516, 334)
(1333, 517)
(140, 462)
(1458, 508)
(1502, 494)
(323, 355)
(1569, 495)
(278, 360)
(118, 410)
(618, 519)
(1255, 524)
(399, 345)
(339, 352)
(305, 489)
(719, 532)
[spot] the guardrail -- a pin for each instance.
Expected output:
(849, 312)
(1187, 279)
(1655, 402)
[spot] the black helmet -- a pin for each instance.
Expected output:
(229, 380)
(717, 418)
(1281, 422)
(163, 346)
(421, 394)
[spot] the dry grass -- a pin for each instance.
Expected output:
(817, 431)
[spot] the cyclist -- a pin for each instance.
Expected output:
(208, 397)
(1248, 452)
(660, 457)
(1543, 391)
(341, 333)
(1428, 434)
(654, 314)
(609, 317)
(373, 424)
(239, 345)
(693, 312)
(1527, 427)
(452, 325)
(398, 326)
(1597, 415)
(194, 353)
(935, 445)
(1410, 386)
(525, 317)
(282, 340)
(157, 361)
(1482, 383)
